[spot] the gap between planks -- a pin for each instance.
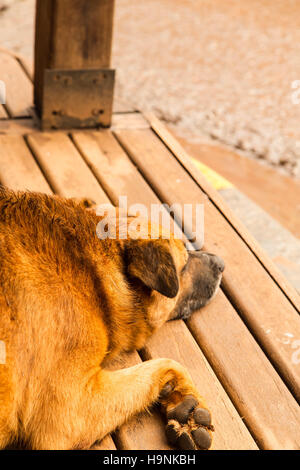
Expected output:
(19, 89)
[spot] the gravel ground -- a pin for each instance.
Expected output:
(213, 70)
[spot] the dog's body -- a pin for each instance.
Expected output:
(68, 303)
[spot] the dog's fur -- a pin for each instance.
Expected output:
(68, 303)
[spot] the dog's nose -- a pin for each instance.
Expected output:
(218, 262)
(213, 259)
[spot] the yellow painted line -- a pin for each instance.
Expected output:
(216, 180)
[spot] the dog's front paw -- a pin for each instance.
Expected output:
(189, 425)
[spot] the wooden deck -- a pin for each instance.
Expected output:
(243, 350)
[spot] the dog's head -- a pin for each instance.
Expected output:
(182, 281)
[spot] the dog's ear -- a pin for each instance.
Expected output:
(152, 263)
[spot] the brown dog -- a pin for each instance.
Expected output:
(67, 302)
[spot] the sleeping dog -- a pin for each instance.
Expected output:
(70, 302)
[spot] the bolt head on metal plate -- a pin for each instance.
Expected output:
(77, 98)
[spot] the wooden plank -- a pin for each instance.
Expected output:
(175, 341)
(25, 62)
(16, 126)
(27, 65)
(262, 304)
(268, 408)
(145, 431)
(219, 202)
(129, 121)
(109, 161)
(3, 113)
(66, 172)
(112, 167)
(18, 169)
(18, 86)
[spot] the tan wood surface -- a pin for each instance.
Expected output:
(66, 172)
(111, 166)
(145, 432)
(25, 63)
(3, 113)
(18, 86)
(27, 66)
(262, 304)
(129, 120)
(16, 126)
(230, 430)
(269, 409)
(18, 169)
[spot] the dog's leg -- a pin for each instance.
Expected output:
(112, 397)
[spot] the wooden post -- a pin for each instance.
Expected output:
(73, 81)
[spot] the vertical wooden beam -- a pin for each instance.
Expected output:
(42, 47)
(75, 37)
(83, 34)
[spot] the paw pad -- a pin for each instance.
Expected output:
(189, 425)
(182, 411)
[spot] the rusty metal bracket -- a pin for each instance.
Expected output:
(77, 98)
